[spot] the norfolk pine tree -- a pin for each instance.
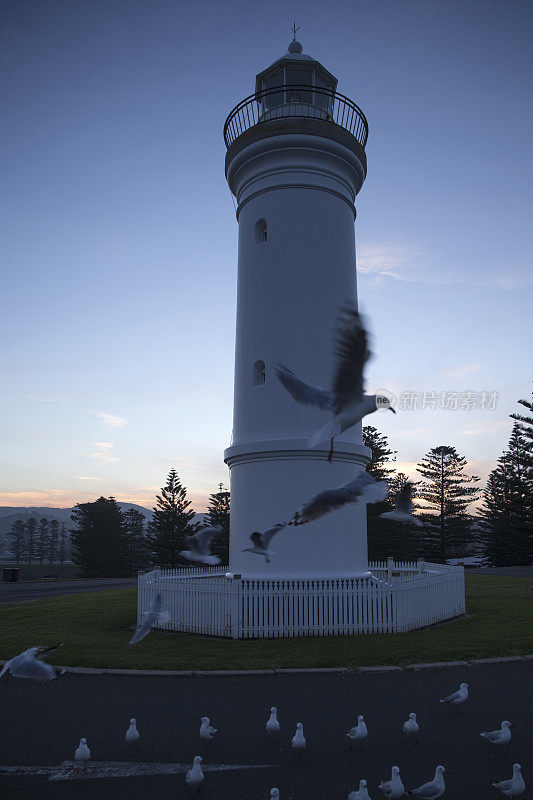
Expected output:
(134, 529)
(52, 550)
(171, 522)
(381, 533)
(447, 491)
(43, 544)
(218, 513)
(98, 540)
(17, 536)
(29, 540)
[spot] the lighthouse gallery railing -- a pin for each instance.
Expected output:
(290, 101)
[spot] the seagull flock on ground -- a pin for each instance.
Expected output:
(347, 405)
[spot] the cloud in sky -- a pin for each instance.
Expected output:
(87, 478)
(402, 262)
(25, 498)
(104, 451)
(460, 371)
(111, 420)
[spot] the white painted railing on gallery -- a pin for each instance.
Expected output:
(397, 597)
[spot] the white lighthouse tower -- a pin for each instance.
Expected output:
(295, 163)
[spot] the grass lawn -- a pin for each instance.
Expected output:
(96, 628)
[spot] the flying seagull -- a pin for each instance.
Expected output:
(29, 665)
(261, 541)
(403, 511)
(156, 614)
(364, 487)
(200, 546)
(346, 400)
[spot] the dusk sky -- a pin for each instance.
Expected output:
(119, 238)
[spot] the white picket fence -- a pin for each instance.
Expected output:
(396, 597)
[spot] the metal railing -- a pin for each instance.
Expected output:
(289, 101)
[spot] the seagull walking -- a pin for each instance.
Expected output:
(261, 541)
(346, 401)
(394, 788)
(29, 664)
(298, 742)
(363, 488)
(156, 614)
(403, 510)
(358, 733)
(513, 787)
(411, 727)
(82, 753)
(200, 546)
(361, 793)
(457, 698)
(433, 789)
(132, 734)
(195, 776)
(500, 737)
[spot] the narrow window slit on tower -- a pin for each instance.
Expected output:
(259, 373)
(261, 231)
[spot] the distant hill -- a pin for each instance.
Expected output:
(10, 514)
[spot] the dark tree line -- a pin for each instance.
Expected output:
(502, 530)
(108, 542)
(41, 541)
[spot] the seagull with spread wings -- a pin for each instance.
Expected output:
(364, 488)
(403, 510)
(200, 546)
(29, 664)
(261, 541)
(346, 401)
(155, 614)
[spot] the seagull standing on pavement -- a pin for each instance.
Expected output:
(361, 793)
(273, 725)
(457, 698)
(206, 731)
(363, 488)
(433, 789)
(200, 547)
(358, 733)
(274, 794)
(82, 753)
(195, 776)
(132, 734)
(346, 401)
(393, 789)
(411, 727)
(298, 742)
(403, 510)
(499, 738)
(156, 614)
(261, 541)
(513, 787)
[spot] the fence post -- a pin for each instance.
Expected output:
(421, 565)
(390, 567)
(235, 608)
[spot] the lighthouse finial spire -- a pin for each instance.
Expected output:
(294, 29)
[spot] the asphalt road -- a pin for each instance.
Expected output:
(42, 724)
(15, 592)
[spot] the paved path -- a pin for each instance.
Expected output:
(15, 592)
(41, 726)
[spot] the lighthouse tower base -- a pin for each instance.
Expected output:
(393, 598)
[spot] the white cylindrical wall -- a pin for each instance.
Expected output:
(290, 290)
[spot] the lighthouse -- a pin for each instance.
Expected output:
(295, 163)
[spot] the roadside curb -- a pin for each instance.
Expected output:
(208, 673)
